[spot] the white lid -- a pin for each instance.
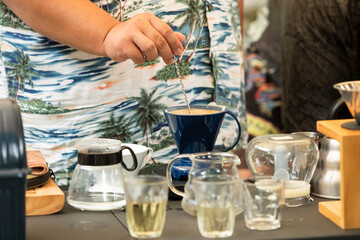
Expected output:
(294, 188)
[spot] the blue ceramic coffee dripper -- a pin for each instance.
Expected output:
(196, 133)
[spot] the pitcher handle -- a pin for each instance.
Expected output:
(149, 155)
(239, 128)
(169, 177)
(134, 166)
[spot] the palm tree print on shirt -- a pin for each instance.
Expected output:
(195, 14)
(20, 72)
(116, 128)
(199, 24)
(149, 112)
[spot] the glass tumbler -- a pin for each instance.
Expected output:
(216, 197)
(263, 198)
(146, 199)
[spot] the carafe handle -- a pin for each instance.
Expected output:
(169, 177)
(133, 155)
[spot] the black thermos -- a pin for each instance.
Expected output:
(13, 171)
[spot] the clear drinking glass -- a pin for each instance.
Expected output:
(146, 199)
(263, 198)
(215, 196)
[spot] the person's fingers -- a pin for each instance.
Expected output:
(180, 36)
(135, 54)
(143, 36)
(167, 33)
(120, 44)
(146, 46)
(160, 43)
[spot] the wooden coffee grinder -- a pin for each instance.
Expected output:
(346, 211)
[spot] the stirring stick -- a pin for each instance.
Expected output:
(182, 85)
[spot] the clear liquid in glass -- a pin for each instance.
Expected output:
(145, 220)
(216, 222)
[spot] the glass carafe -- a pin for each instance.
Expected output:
(202, 164)
(97, 183)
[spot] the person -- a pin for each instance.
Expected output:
(320, 47)
(83, 69)
(142, 36)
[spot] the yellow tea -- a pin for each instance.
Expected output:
(145, 219)
(216, 222)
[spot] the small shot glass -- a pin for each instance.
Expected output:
(263, 198)
(146, 200)
(215, 197)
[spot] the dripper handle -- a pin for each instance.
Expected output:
(239, 133)
(133, 155)
(169, 177)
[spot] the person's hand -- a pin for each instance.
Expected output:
(143, 36)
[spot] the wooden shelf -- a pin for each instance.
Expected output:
(346, 212)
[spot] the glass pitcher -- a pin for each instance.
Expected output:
(206, 163)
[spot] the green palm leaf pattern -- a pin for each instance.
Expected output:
(20, 72)
(190, 15)
(149, 112)
(115, 128)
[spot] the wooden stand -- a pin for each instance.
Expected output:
(346, 212)
(44, 200)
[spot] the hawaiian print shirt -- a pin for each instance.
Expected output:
(66, 95)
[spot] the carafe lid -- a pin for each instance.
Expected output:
(98, 152)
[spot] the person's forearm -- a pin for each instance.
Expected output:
(84, 26)
(76, 23)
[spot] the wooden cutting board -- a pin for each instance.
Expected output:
(44, 200)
